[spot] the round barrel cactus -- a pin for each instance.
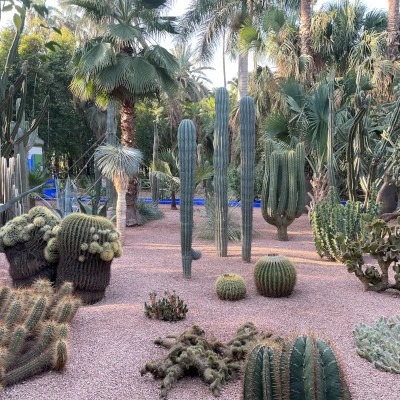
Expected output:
(86, 246)
(274, 276)
(23, 240)
(230, 287)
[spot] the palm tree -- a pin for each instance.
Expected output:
(305, 27)
(392, 38)
(124, 66)
(119, 164)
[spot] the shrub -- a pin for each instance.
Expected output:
(148, 212)
(170, 308)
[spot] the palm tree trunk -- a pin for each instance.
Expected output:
(305, 25)
(392, 38)
(120, 213)
(223, 59)
(128, 130)
(243, 75)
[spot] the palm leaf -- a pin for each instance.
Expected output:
(122, 34)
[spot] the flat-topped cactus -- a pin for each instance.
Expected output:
(23, 240)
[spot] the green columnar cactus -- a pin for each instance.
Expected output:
(86, 246)
(274, 276)
(230, 287)
(221, 153)
(154, 177)
(34, 329)
(283, 192)
(303, 368)
(247, 160)
(187, 164)
(23, 239)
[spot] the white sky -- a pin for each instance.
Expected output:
(216, 75)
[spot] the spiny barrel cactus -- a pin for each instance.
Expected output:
(247, 160)
(23, 239)
(85, 246)
(230, 287)
(187, 165)
(301, 368)
(221, 155)
(283, 192)
(274, 276)
(34, 329)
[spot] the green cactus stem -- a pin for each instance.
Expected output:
(154, 177)
(230, 287)
(247, 161)
(221, 155)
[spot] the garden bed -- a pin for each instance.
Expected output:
(112, 339)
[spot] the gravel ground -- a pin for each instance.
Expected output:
(112, 339)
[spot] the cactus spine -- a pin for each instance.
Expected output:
(247, 148)
(230, 287)
(274, 276)
(187, 164)
(221, 150)
(303, 368)
(283, 192)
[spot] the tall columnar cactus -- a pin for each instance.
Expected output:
(301, 368)
(85, 246)
(34, 327)
(274, 276)
(283, 193)
(154, 177)
(23, 239)
(221, 156)
(247, 160)
(187, 165)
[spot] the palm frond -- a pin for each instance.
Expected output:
(122, 34)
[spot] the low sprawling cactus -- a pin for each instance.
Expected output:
(23, 239)
(34, 329)
(85, 246)
(274, 276)
(300, 368)
(230, 287)
(380, 343)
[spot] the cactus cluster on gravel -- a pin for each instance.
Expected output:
(298, 368)
(380, 343)
(230, 287)
(34, 329)
(23, 240)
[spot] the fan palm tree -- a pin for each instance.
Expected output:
(124, 65)
(119, 164)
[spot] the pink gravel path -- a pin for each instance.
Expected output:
(112, 339)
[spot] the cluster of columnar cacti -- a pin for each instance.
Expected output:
(300, 368)
(247, 160)
(23, 239)
(187, 165)
(84, 246)
(191, 352)
(380, 343)
(274, 276)
(230, 287)
(34, 329)
(283, 197)
(221, 155)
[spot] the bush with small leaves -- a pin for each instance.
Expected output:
(169, 308)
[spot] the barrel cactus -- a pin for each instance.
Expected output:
(301, 368)
(274, 276)
(23, 239)
(85, 246)
(187, 165)
(230, 287)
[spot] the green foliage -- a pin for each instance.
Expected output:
(230, 287)
(34, 329)
(234, 179)
(149, 212)
(170, 308)
(330, 221)
(85, 209)
(190, 352)
(380, 343)
(299, 368)
(274, 276)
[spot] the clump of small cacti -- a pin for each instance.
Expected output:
(380, 343)
(85, 246)
(215, 362)
(34, 327)
(299, 368)
(23, 240)
(170, 308)
(274, 276)
(230, 287)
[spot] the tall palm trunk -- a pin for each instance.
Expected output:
(243, 75)
(392, 38)
(305, 26)
(128, 130)
(120, 210)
